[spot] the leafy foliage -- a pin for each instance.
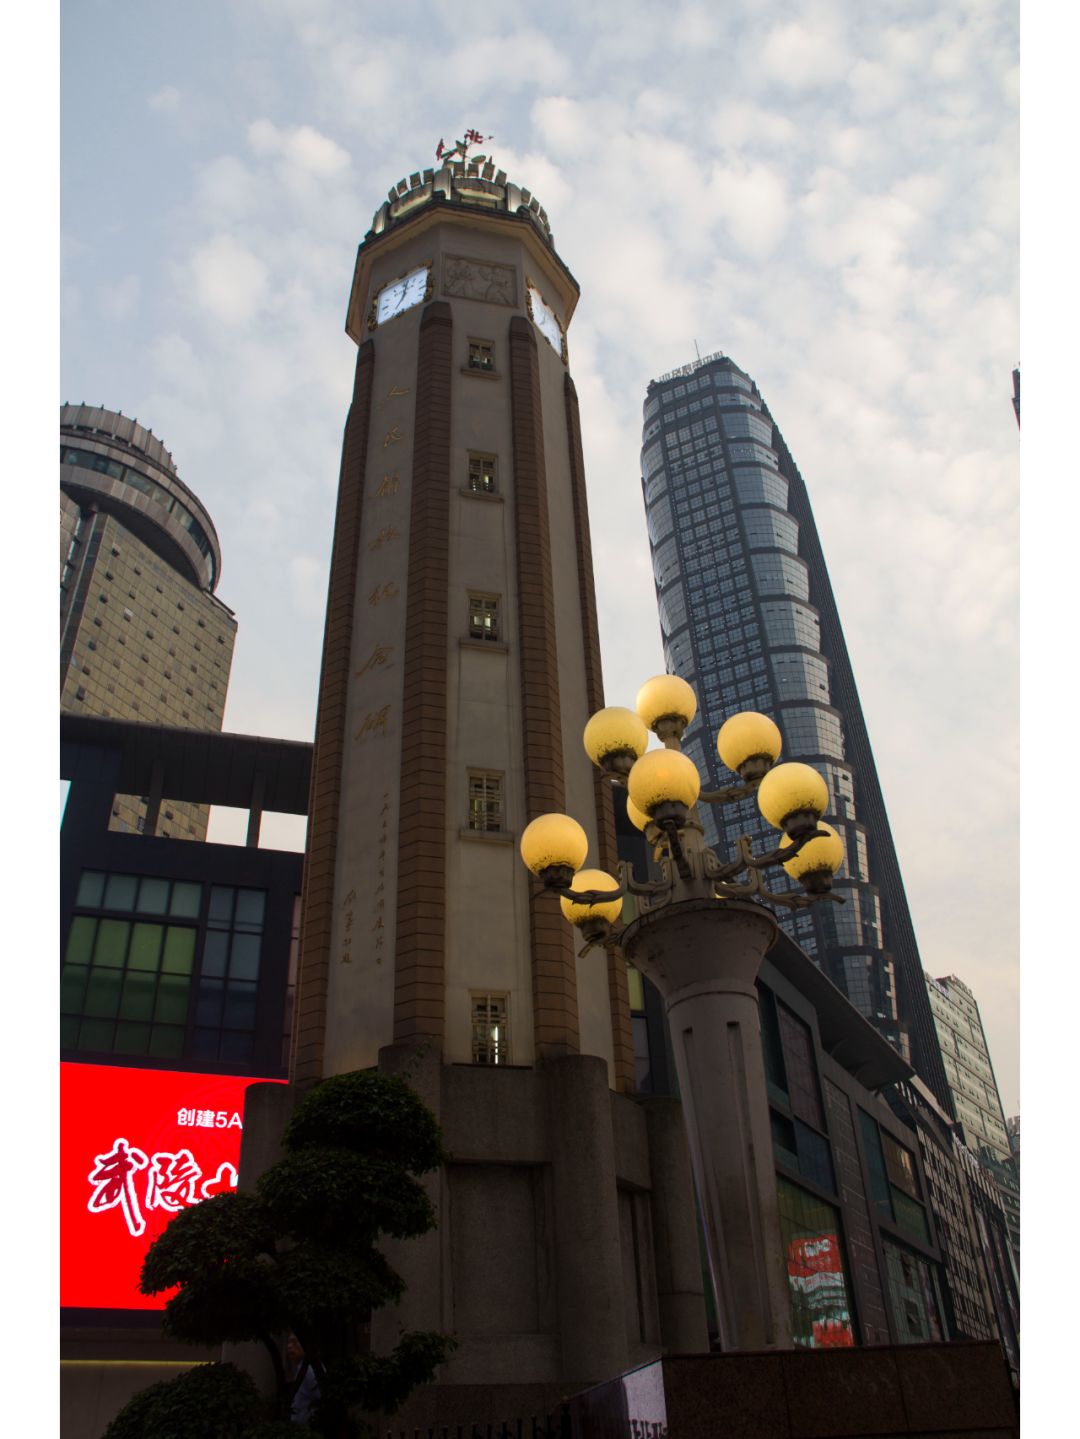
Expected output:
(181, 1408)
(299, 1256)
(313, 1193)
(371, 1114)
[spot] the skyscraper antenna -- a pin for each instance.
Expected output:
(697, 350)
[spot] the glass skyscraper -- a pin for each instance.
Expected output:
(748, 618)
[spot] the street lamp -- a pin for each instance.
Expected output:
(700, 933)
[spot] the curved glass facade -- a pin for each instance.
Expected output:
(747, 617)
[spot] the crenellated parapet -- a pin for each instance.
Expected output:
(478, 183)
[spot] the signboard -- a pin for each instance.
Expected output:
(137, 1146)
(821, 1317)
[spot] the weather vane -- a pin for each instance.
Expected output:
(460, 148)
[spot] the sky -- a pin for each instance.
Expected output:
(826, 192)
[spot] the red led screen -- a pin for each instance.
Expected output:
(136, 1147)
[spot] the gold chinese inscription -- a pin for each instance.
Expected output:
(385, 535)
(388, 485)
(374, 722)
(378, 657)
(382, 592)
(396, 390)
(393, 436)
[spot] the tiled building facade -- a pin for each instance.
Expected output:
(142, 635)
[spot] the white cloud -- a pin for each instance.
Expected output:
(302, 146)
(226, 190)
(119, 300)
(228, 281)
(308, 577)
(165, 99)
(805, 54)
(753, 201)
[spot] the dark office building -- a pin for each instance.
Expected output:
(747, 616)
(178, 969)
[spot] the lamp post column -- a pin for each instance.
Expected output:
(703, 956)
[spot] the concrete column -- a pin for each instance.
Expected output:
(679, 1289)
(267, 1110)
(588, 1259)
(418, 1261)
(703, 956)
(255, 810)
(153, 799)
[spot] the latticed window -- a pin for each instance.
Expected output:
(490, 1029)
(485, 801)
(482, 474)
(483, 617)
(481, 355)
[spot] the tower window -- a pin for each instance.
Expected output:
(482, 355)
(485, 801)
(490, 1028)
(482, 474)
(483, 617)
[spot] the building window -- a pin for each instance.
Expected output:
(798, 1047)
(490, 1028)
(912, 1296)
(482, 355)
(485, 801)
(482, 474)
(817, 1282)
(126, 982)
(229, 978)
(483, 617)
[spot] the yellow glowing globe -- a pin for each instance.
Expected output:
(823, 855)
(553, 839)
(636, 816)
(609, 909)
(661, 777)
(788, 788)
(745, 736)
(613, 731)
(664, 697)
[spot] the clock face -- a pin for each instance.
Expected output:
(546, 322)
(402, 295)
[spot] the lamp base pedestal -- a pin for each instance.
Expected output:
(704, 956)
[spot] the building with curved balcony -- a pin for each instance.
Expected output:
(748, 617)
(142, 634)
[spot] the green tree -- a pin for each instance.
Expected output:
(299, 1256)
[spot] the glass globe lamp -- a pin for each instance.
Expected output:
(553, 847)
(664, 785)
(594, 920)
(793, 797)
(666, 705)
(637, 817)
(817, 861)
(749, 743)
(614, 738)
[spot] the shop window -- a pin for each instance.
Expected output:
(814, 1260)
(912, 1296)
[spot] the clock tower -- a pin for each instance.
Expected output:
(460, 664)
